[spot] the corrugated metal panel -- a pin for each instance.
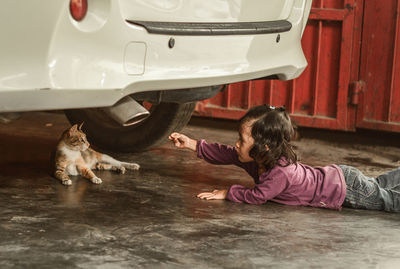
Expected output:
(319, 98)
(380, 66)
(353, 77)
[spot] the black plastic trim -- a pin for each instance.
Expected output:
(178, 96)
(194, 28)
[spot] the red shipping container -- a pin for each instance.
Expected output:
(347, 83)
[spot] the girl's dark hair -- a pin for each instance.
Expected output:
(273, 128)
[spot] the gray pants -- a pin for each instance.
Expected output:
(381, 193)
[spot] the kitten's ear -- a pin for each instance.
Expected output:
(73, 129)
(80, 126)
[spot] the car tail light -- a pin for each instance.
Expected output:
(78, 9)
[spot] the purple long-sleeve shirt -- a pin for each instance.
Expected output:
(295, 184)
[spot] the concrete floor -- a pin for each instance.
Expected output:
(152, 219)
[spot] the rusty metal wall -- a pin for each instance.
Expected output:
(334, 91)
(379, 106)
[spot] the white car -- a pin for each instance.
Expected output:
(132, 69)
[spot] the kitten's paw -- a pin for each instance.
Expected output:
(67, 182)
(96, 180)
(121, 169)
(132, 166)
(99, 166)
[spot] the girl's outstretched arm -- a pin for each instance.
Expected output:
(182, 141)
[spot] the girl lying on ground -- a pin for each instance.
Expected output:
(265, 152)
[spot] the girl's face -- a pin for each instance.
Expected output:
(245, 142)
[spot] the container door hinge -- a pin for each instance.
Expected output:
(355, 89)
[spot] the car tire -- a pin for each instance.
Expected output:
(105, 133)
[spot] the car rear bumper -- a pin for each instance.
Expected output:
(77, 65)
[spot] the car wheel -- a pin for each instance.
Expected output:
(105, 133)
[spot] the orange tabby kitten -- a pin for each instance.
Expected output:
(74, 157)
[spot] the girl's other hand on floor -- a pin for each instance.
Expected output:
(214, 195)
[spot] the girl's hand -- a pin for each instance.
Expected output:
(182, 141)
(215, 195)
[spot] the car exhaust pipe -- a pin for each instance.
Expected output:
(127, 111)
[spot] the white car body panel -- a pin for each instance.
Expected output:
(49, 61)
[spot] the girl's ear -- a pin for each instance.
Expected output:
(266, 148)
